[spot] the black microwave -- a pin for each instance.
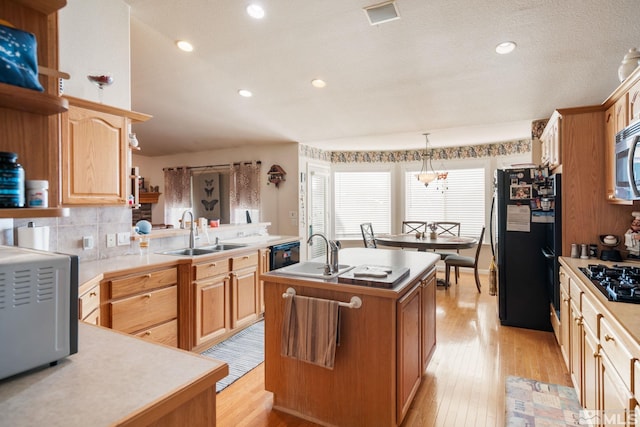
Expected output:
(628, 163)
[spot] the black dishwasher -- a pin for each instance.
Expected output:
(283, 255)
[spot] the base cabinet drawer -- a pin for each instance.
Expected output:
(166, 333)
(144, 310)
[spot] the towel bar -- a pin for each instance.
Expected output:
(355, 302)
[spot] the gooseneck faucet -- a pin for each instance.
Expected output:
(192, 236)
(333, 246)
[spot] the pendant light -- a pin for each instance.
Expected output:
(427, 174)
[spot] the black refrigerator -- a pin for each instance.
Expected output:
(526, 217)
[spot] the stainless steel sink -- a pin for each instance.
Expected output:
(224, 247)
(312, 269)
(190, 252)
(203, 250)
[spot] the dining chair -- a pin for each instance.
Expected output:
(367, 235)
(414, 227)
(447, 228)
(458, 261)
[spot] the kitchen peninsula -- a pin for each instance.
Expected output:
(384, 346)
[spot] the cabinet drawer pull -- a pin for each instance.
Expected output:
(93, 294)
(213, 264)
(148, 275)
(147, 296)
(578, 320)
(608, 337)
(148, 333)
(245, 257)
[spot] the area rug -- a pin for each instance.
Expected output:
(534, 403)
(242, 352)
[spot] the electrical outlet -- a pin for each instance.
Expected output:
(111, 240)
(124, 238)
(87, 242)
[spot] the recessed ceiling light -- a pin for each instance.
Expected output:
(318, 83)
(255, 11)
(505, 47)
(245, 93)
(184, 45)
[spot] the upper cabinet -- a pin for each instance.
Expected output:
(96, 153)
(550, 138)
(615, 119)
(621, 109)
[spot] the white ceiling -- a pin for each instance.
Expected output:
(433, 70)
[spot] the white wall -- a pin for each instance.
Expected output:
(94, 37)
(277, 203)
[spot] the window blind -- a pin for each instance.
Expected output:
(459, 198)
(362, 197)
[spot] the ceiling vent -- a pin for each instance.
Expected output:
(381, 13)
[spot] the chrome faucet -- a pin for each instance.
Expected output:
(192, 231)
(331, 266)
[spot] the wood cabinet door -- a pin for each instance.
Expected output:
(428, 316)
(565, 320)
(212, 302)
(409, 365)
(263, 267)
(590, 370)
(615, 120)
(244, 299)
(94, 158)
(633, 108)
(616, 400)
(576, 338)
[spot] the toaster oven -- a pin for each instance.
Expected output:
(38, 308)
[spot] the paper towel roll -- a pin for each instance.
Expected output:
(34, 237)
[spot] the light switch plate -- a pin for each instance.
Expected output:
(124, 238)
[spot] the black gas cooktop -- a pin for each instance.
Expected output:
(618, 283)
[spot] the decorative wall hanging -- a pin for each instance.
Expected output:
(276, 175)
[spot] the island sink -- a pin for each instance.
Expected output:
(312, 269)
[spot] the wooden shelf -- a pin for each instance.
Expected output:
(31, 101)
(149, 197)
(44, 6)
(34, 212)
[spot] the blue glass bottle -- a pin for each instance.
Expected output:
(11, 181)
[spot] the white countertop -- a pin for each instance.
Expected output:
(112, 376)
(94, 270)
(628, 314)
(416, 262)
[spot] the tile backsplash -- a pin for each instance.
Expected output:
(66, 233)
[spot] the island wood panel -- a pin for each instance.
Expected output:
(361, 389)
(585, 212)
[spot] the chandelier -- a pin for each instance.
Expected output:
(427, 174)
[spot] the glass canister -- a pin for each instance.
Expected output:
(37, 193)
(11, 181)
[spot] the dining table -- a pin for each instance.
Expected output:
(426, 243)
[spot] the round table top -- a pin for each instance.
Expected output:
(441, 242)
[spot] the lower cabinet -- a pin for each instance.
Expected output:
(144, 304)
(211, 301)
(409, 345)
(602, 357)
(244, 290)
(226, 297)
(89, 305)
(416, 313)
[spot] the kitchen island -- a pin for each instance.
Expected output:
(115, 380)
(384, 346)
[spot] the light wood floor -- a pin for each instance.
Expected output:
(465, 380)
